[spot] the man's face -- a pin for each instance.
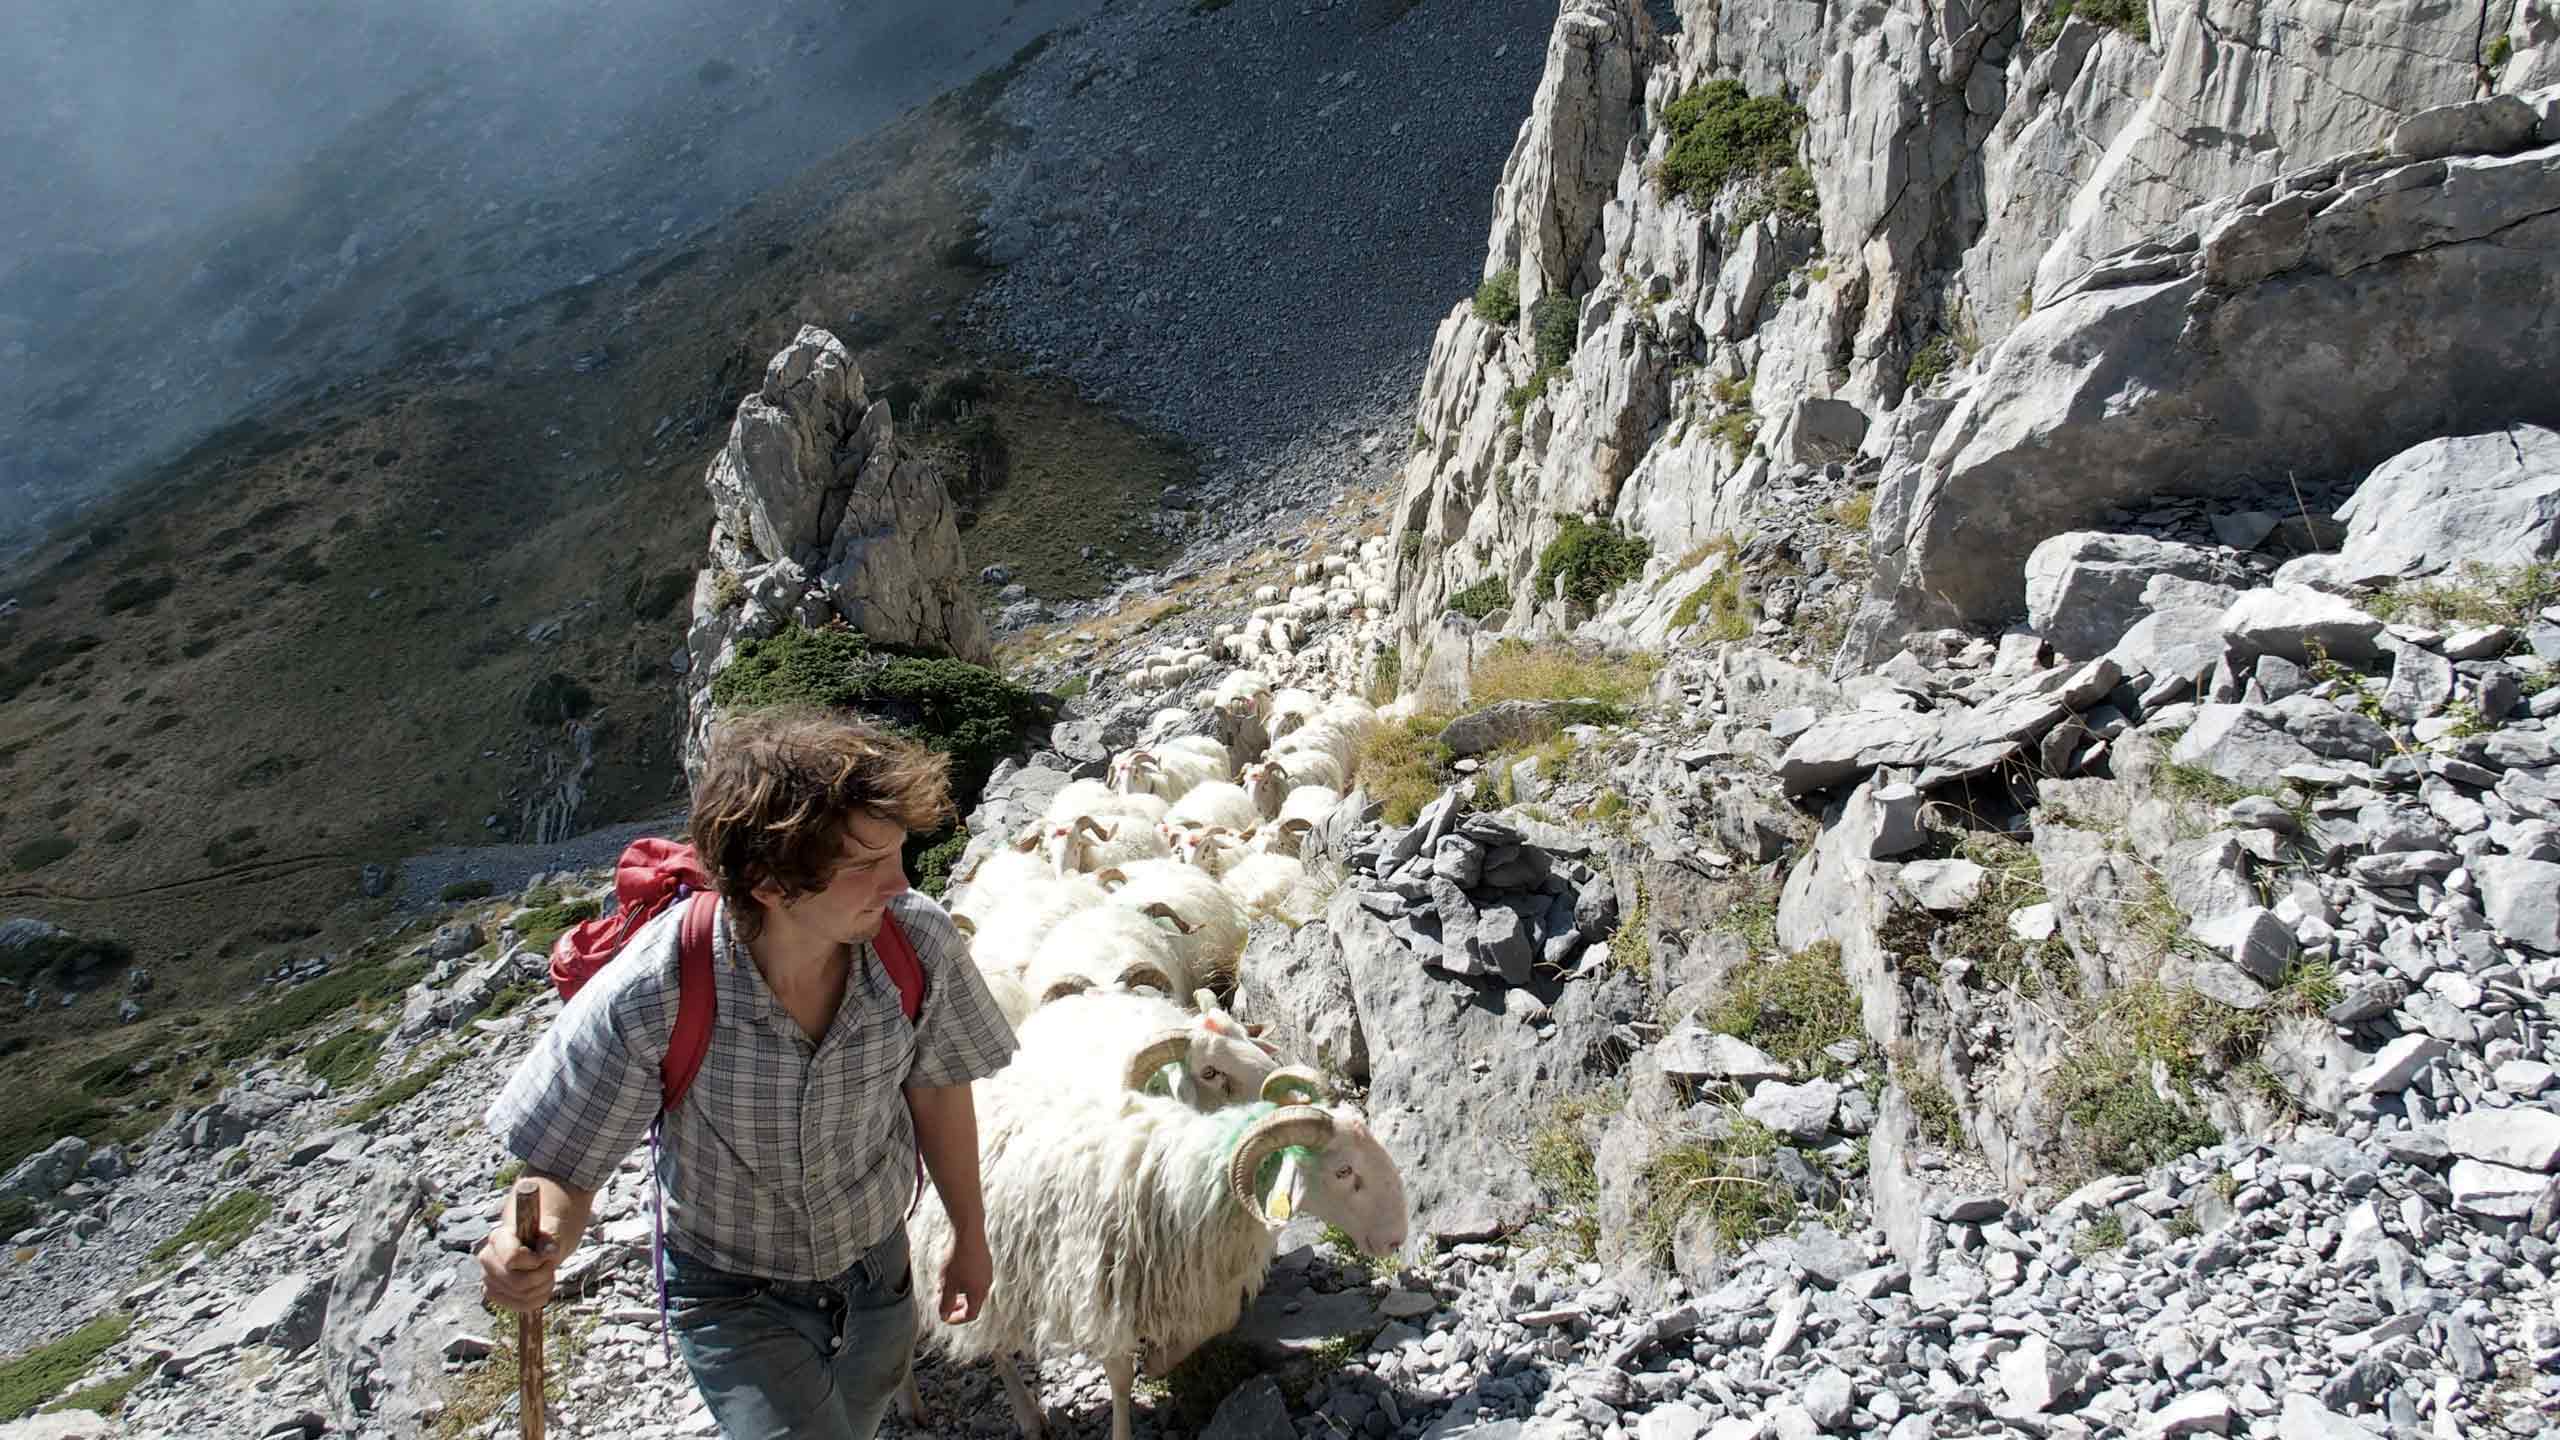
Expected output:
(868, 875)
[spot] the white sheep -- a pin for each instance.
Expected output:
(1087, 844)
(1216, 803)
(1163, 770)
(1133, 1228)
(1271, 780)
(1013, 902)
(1111, 1040)
(1305, 808)
(1291, 709)
(1107, 947)
(1215, 942)
(1078, 799)
(1265, 883)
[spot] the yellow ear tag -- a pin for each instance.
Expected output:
(1283, 1203)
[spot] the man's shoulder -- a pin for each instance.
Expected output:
(640, 983)
(927, 926)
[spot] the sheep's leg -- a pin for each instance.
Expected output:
(911, 1400)
(1026, 1406)
(1122, 1370)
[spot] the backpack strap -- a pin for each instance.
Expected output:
(696, 1001)
(898, 957)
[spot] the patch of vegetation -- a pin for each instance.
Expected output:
(39, 1375)
(41, 851)
(1631, 944)
(1553, 322)
(480, 1394)
(556, 698)
(1340, 1242)
(1853, 512)
(401, 1091)
(140, 594)
(514, 995)
(345, 1059)
(220, 1225)
(64, 959)
(1517, 398)
(2511, 595)
(1792, 1006)
(1482, 598)
(259, 1027)
(2106, 1088)
(1613, 684)
(1411, 546)
(1498, 298)
(1931, 363)
(1401, 766)
(1980, 932)
(1386, 675)
(1560, 1160)
(1933, 1107)
(465, 890)
(1592, 560)
(2133, 17)
(2099, 1236)
(507, 1175)
(537, 928)
(1790, 192)
(1724, 1179)
(1721, 601)
(1721, 132)
(34, 1121)
(2501, 50)
(932, 868)
(1736, 430)
(966, 711)
(107, 1397)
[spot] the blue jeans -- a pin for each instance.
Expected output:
(796, 1359)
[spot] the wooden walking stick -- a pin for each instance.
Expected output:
(529, 1327)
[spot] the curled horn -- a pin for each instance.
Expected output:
(1144, 972)
(1064, 986)
(1111, 877)
(1028, 839)
(965, 926)
(1255, 1028)
(1294, 1084)
(1169, 1048)
(1163, 911)
(1289, 1125)
(1087, 825)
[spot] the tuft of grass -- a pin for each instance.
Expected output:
(1933, 1107)
(107, 1397)
(2100, 1235)
(42, 1373)
(1980, 932)
(1386, 675)
(2513, 595)
(220, 1225)
(1721, 132)
(1631, 944)
(1498, 298)
(1791, 1006)
(537, 928)
(1590, 559)
(399, 1092)
(508, 1174)
(1517, 398)
(1853, 512)
(1724, 1179)
(465, 890)
(306, 1005)
(344, 1059)
(1931, 363)
(1482, 598)
(1516, 670)
(1401, 766)
(516, 992)
(1560, 1160)
(480, 1394)
(1721, 601)
(2501, 50)
(933, 865)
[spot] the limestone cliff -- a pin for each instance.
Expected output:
(1992, 185)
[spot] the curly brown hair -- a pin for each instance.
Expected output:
(780, 787)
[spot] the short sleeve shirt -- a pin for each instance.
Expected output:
(786, 1159)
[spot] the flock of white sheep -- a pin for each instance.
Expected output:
(1143, 1148)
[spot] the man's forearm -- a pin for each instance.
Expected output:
(946, 1118)
(565, 1210)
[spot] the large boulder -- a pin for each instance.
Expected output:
(1564, 166)
(2084, 587)
(351, 1357)
(2320, 324)
(2491, 499)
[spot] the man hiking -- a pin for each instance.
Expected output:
(788, 1165)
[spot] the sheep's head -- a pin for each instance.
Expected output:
(1219, 1063)
(1130, 769)
(1070, 842)
(1267, 783)
(1345, 1176)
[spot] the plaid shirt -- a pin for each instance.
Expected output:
(785, 1160)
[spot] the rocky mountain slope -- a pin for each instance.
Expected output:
(2131, 1011)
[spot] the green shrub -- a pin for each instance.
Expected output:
(932, 867)
(543, 924)
(41, 851)
(1482, 598)
(506, 1001)
(968, 712)
(344, 1059)
(1721, 132)
(1931, 364)
(462, 890)
(2133, 17)
(1591, 559)
(1517, 398)
(303, 1006)
(1498, 298)
(2511, 595)
(2501, 50)
(1553, 320)
(40, 1374)
(107, 1397)
(220, 1225)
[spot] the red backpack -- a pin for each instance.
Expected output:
(652, 874)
